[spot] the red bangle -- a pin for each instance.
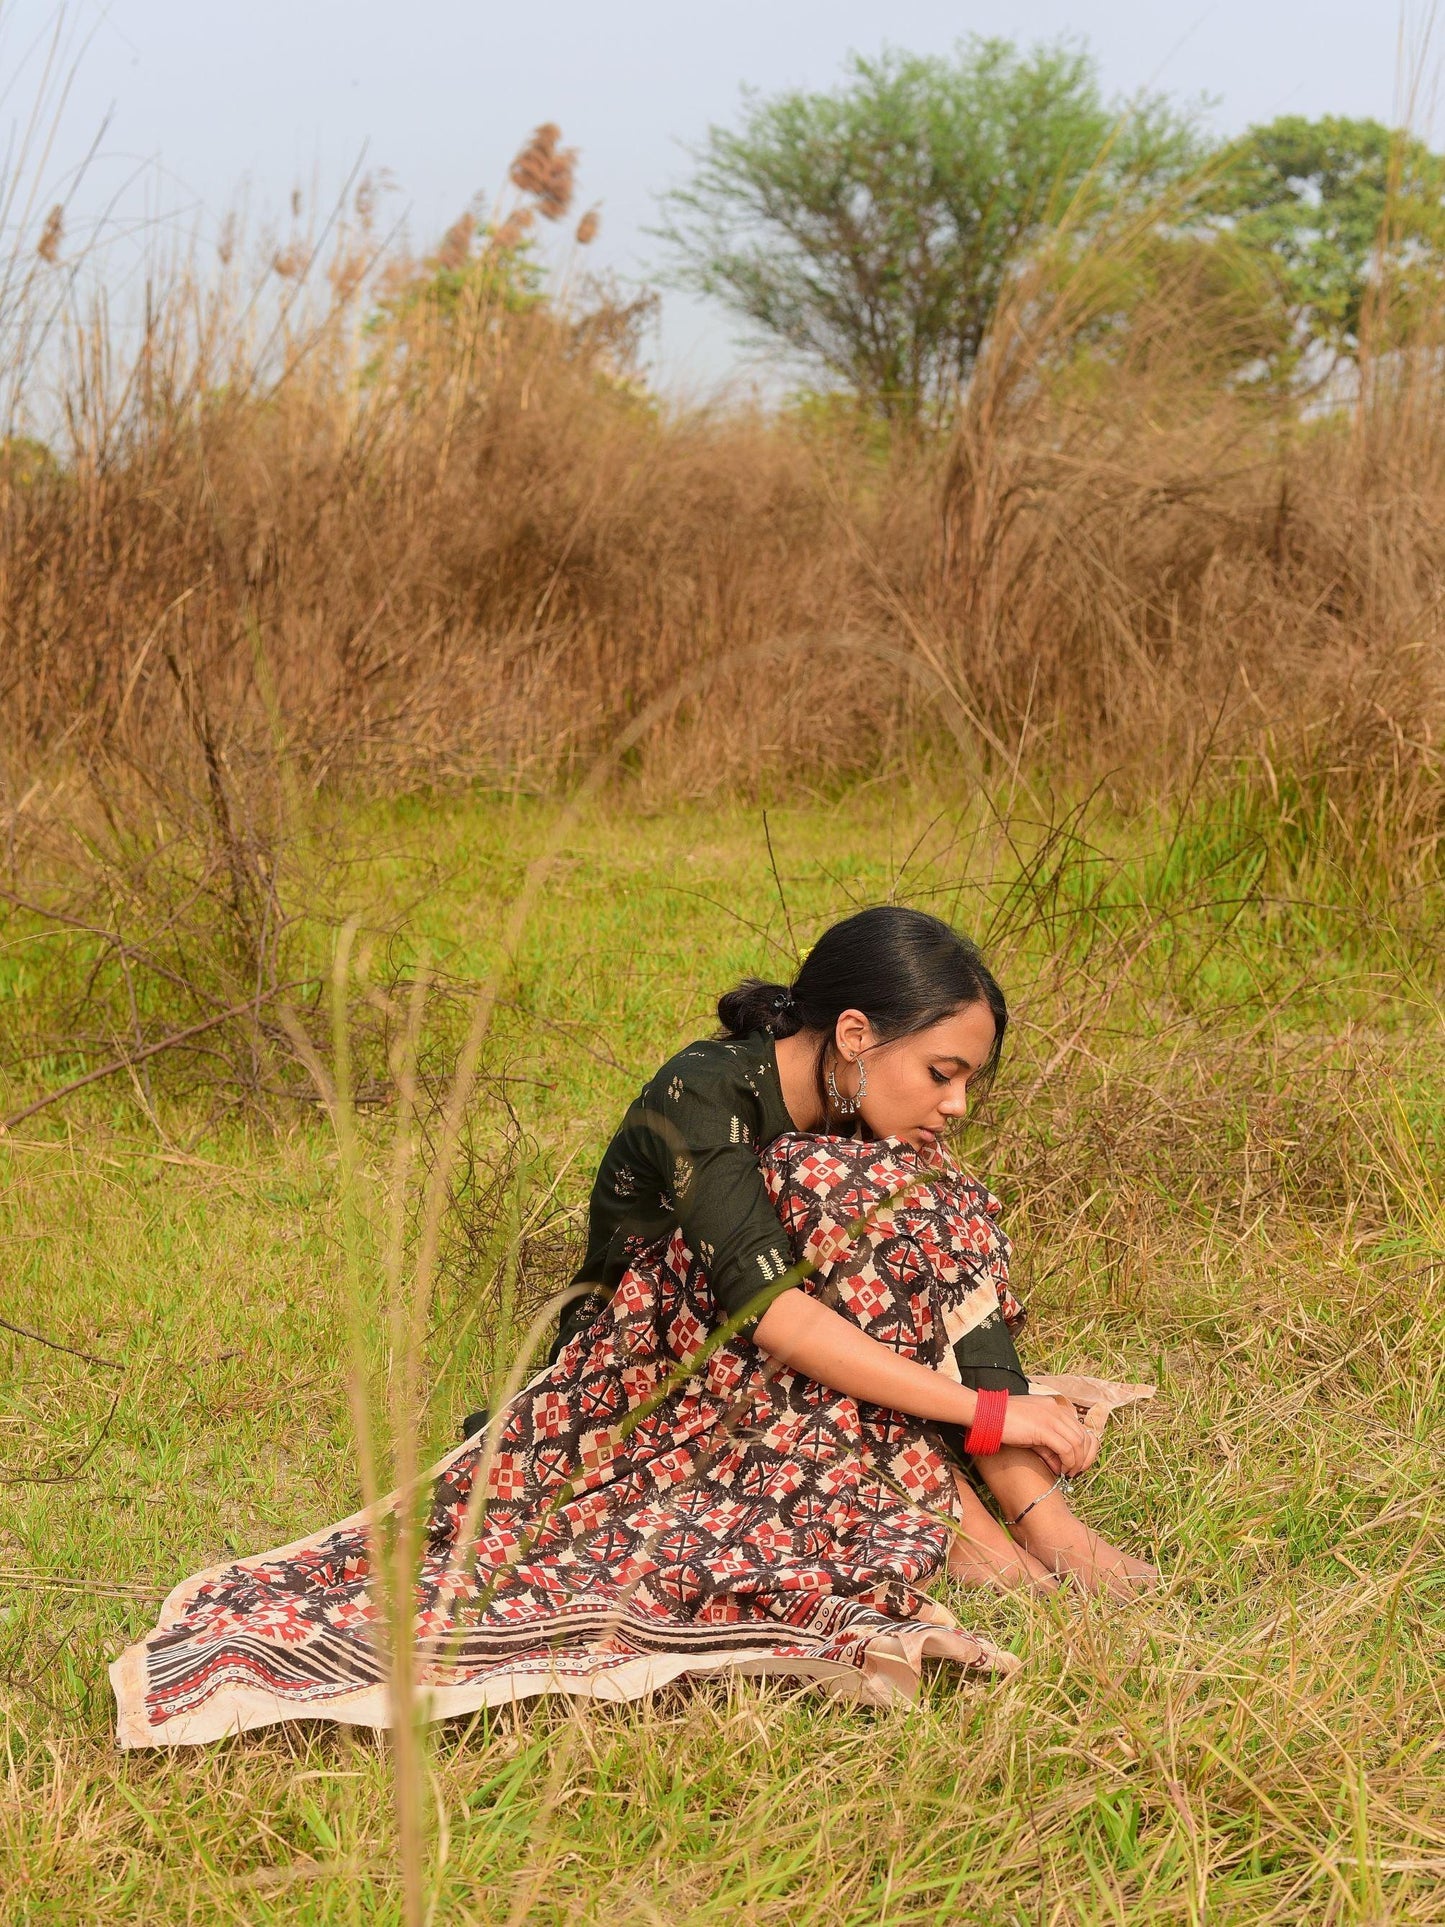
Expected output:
(985, 1435)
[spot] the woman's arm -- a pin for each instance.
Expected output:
(815, 1340)
(705, 1120)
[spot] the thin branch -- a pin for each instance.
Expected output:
(21, 1331)
(252, 1004)
(782, 896)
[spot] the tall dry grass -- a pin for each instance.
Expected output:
(462, 540)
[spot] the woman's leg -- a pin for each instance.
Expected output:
(1050, 1533)
(982, 1553)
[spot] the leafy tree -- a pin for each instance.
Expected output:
(869, 230)
(1335, 204)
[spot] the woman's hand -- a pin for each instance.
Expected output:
(1065, 1445)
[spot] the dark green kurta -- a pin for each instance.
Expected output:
(686, 1157)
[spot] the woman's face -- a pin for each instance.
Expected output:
(917, 1085)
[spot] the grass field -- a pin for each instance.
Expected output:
(1219, 1140)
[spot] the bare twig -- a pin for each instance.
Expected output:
(252, 1003)
(782, 894)
(22, 1331)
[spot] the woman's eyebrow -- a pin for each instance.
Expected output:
(952, 1057)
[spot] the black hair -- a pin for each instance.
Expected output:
(902, 968)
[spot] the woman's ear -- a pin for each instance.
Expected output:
(852, 1033)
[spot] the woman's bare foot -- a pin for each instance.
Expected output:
(1056, 1541)
(1062, 1543)
(982, 1553)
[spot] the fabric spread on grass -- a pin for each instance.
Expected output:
(651, 1509)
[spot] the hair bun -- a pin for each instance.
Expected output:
(755, 1005)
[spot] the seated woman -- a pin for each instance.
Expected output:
(750, 1449)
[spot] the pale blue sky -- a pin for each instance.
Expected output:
(207, 101)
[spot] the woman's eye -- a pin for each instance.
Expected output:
(938, 1076)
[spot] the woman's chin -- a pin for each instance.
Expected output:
(917, 1136)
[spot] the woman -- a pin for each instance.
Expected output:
(753, 1447)
(893, 1021)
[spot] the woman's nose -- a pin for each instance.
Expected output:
(955, 1104)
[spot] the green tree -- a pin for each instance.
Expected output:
(1336, 205)
(869, 230)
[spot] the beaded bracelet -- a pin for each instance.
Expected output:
(985, 1435)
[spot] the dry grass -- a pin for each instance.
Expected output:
(462, 544)
(464, 541)
(298, 631)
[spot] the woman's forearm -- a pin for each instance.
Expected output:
(812, 1339)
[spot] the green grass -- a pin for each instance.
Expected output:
(1219, 1143)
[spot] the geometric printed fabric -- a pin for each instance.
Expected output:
(645, 1512)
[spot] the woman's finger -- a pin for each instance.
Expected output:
(1070, 1432)
(1073, 1449)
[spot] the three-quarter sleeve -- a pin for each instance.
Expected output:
(706, 1137)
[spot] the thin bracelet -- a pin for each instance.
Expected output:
(1059, 1482)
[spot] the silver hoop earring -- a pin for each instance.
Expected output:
(848, 1106)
